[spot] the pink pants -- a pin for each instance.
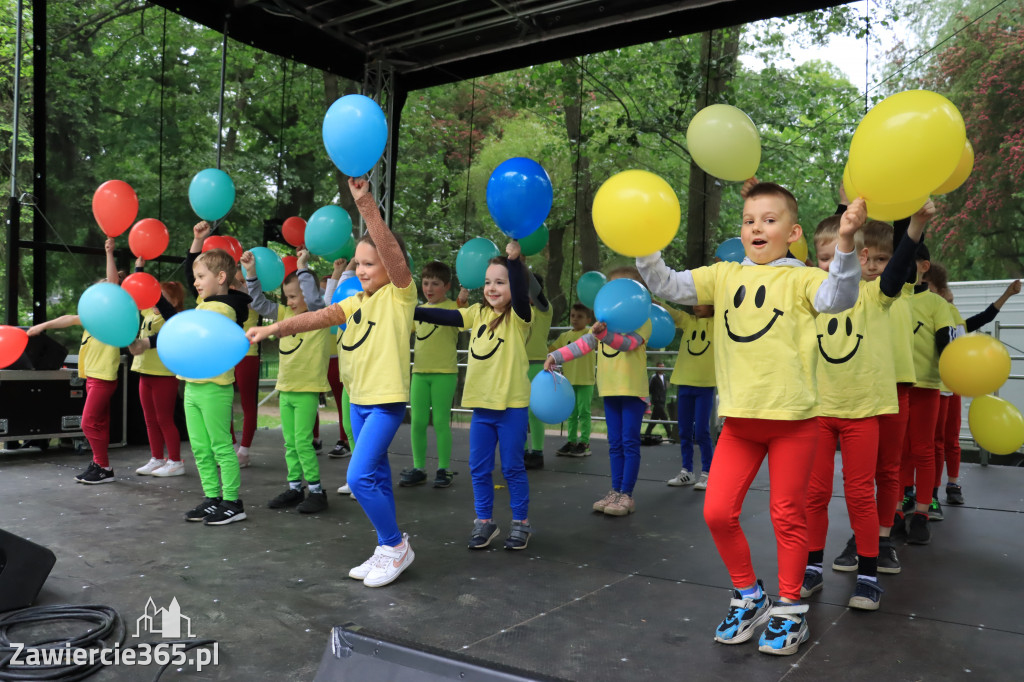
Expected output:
(96, 417)
(158, 395)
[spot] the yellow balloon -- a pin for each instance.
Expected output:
(724, 142)
(996, 424)
(962, 172)
(848, 186)
(906, 146)
(974, 365)
(636, 213)
(905, 209)
(799, 249)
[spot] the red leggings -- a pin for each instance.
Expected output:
(158, 395)
(919, 453)
(742, 446)
(947, 438)
(96, 417)
(247, 381)
(892, 430)
(336, 388)
(858, 440)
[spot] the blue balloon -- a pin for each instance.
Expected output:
(211, 193)
(269, 267)
(350, 287)
(588, 285)
(355, 133)
(663, 328)
(731, 250)
(328, 230)
(519, 196)
(623, 304)
(552, 398)
(109, 313)
(472, 259)
(201, 344)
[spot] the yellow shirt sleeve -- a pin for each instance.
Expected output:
(581, 371)
(149, 362)
(303, 358)
(537, 339)
(435, 346)
(624, 372)
(496, 372)
(97, 360)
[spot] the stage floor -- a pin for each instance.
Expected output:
(592, 598)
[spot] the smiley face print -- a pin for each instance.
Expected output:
(482, 344)
(357, 328)
(433, 328)
(288, 344)
(751, 306)
(834, 335)
(692, 343)
(605, 349)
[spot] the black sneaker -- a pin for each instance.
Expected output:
(888, 562)
(954, 494)
(582, 450)
(918, 532)
(205, 508)
(518, 536)
(483, 533)
(96, 474)
(411, 477)
(847, 559)
(909, 503)
(228, 511)
(533, 459)
(898, 534)
(318, 446)
(340, 451)
(314, 503)
(813, 582)
(566, 450)
(935, 510)
(866, 595)
(289, 498)
(443, 479)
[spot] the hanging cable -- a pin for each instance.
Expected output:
(280, 139)
(223, 71)
(469, 163)
(160, 152)
(867, 49)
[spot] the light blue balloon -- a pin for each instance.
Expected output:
(269, 267)
(731, 250)
(211, 193)
(519, 196)
(350, 287)
(588, 285)
(201, 344)
(109, 313)
(663, 328)
(472, 259)
(623, 304)
(552, 398)
(328, 230)
(355, 133)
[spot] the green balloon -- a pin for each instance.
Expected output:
(472, 259)
(588, 285)
(534, 242)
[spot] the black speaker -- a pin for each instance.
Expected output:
(24, 567)
(42, 352)
(357, 654)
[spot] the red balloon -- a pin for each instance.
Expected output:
(148, 238)
(220, 242)
(12, 344)
(115, 205)
(291, 264)
(234, 247)
(294, 231)
(143, 288)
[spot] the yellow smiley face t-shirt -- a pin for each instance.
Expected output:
(496, 372)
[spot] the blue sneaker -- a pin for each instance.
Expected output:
(745, 614)
(866, 595)
(787, 630)
(813, 582)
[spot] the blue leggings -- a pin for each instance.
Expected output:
(694, 404)
(624, 416)
(506, 429)
(369, 474)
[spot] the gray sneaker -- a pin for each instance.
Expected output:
(483, 533)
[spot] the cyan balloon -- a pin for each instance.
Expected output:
(347, 251)
(349, 287)
(519, 196)
(328, 230)
(471, 261)
(211, 193)
(221, 340)
(588, 285)
(622, 304)
(109, 313)
(269, 267)
(663, 328)
(731, 250)
(355, 132)
(551, 397)
(534, 242)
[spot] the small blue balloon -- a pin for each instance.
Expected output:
(211, 193)
(201, 344)
(328, 230)
(109, 313)
(269, 267)
(588, 285)
(623, 304)
(349, 287)
(519, 196)
(472, 259)
(663, 328)
(731, 250)
(355, 133)
(552, 398)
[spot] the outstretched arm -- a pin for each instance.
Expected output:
(58, 323)
(663, 281)
(840, 289)
(387, 246)
(259, 303)
(976, 322)
(112, 277)
(623, 342)
(318, 319)
(517, 276)
(440, 316)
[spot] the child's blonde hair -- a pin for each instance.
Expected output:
(626, 271)
(874, 235)
(827, 231)
(217, 261)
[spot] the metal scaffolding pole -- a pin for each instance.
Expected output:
(379, 85)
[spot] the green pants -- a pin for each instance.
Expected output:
(346, 418)
(536, 425)
(208, 416)
(581, 414)
(432, 392)
(298, 414)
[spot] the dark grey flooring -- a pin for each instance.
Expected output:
(592, 598)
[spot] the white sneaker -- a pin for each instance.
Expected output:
(392, 562)
(702, 482)
(344, 490)
(171, 468)
(363, 569)
(684, 477)
(149, 467)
